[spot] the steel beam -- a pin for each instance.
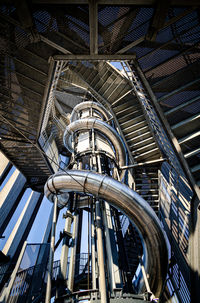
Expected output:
(65, 247)
(186, 86)
(101, 262)
(93, 249)
(54, 45)
(158, 19)
(194, 251)
(70, 282)
(186, 121)
(120, 2)
(51, 252)
(95, 57)
(195, 168)
(93, 21)
(29, 66)
(129, 46)
(189, 137)
(192, 153)
(181, 106)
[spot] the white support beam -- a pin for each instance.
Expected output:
(17, 234)
(181, 106)
(186, 121)
(3, 163)
(192, 153)
(9, 198)
(189, 137)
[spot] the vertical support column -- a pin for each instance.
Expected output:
(79, 237)
(93, 20)
(65, 246)
(102, 278)
(93, 250)
(194, 250)
(72, 264)
(23, 225)
(51, 253)
(9, 198)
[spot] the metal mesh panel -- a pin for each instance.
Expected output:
(140, 24)
(22, 86)
(179, 284)
(179, 98)
(118, 26)
(67, 26)
(21, 37)
(184, 113)
(175, 197)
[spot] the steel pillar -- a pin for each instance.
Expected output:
(51, 252)
(194, 250)
(102, 279)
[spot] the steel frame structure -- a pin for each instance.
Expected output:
(53, 51)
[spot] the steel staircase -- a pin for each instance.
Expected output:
(116, 91)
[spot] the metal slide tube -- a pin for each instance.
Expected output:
(87, 105)
(101, 126)
(132, 205)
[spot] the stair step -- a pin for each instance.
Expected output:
(125, 103)
(141, 179)
(134, 127)
(147, 190)
(136, 132)
(132, 121)
(142, 142)
(131, 114)
(149, 196)
(147, 147)
(153, 153)
(103, 77)
(107, 84)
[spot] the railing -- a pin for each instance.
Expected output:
(83, 263)
(31, 282)
(152, 117)
(175, 196)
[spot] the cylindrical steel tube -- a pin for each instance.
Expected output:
(132, 205)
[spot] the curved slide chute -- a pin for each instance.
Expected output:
(131, 204)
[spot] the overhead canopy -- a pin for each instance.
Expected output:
(163, 38)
